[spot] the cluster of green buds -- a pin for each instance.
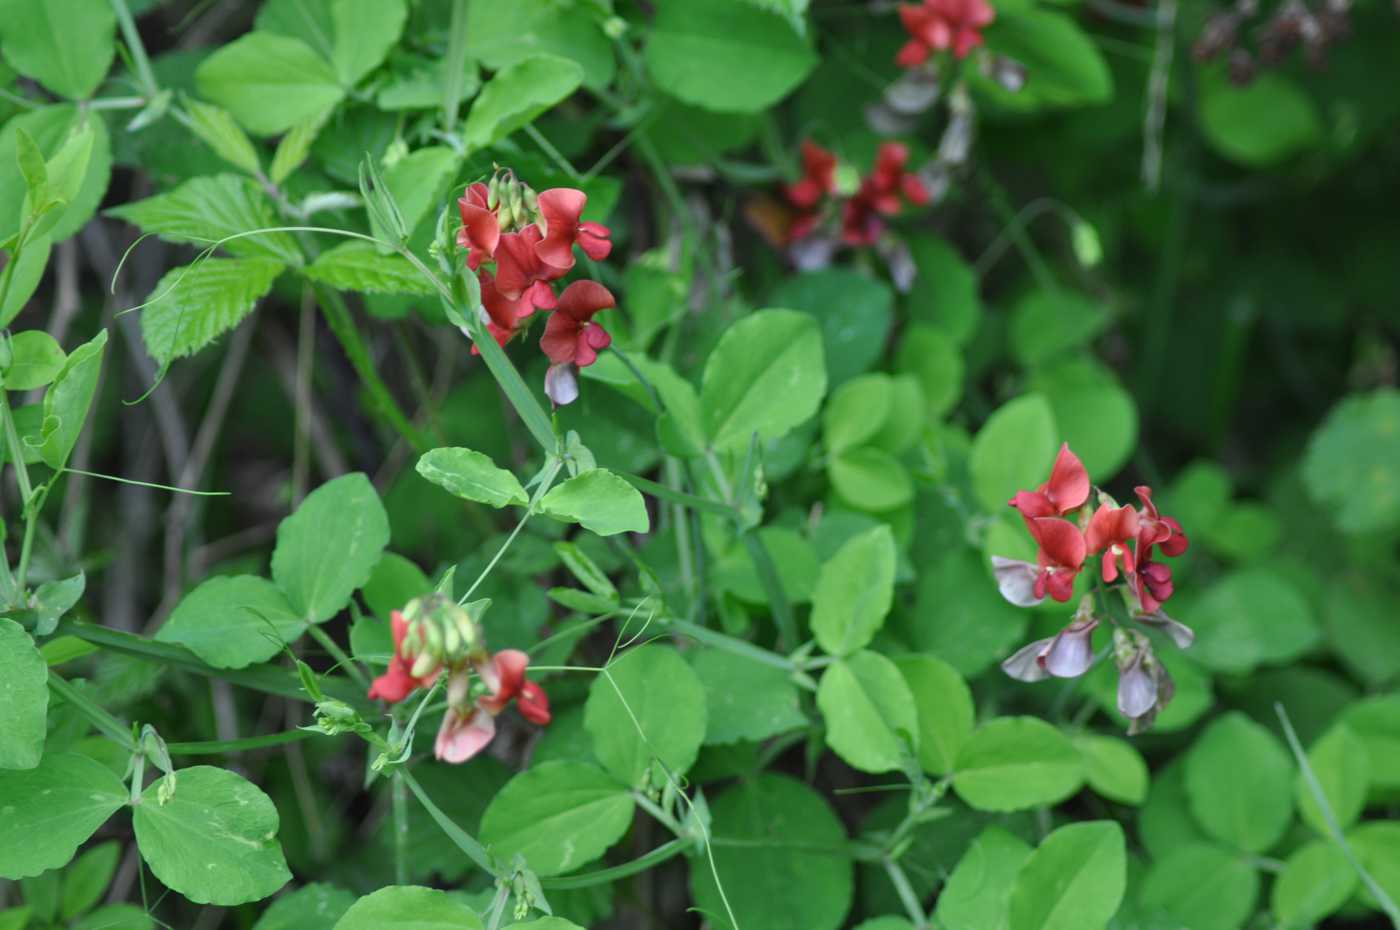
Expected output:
(515, 203)
(439, 632)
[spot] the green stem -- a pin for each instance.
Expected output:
(681, 498)
(456, 65)
(907, 897)
(342, 658)
(651, 807)
(107, 724)
(1015, 227)
(548, 479)
(739, 647)
(660, 854)
(400, 803)
(132, 37)
(342, 325)
(228, 746)
(773, 587)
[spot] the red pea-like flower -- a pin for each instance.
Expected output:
(1060, 557)
(1110, 531)
(1067, 489)
(561, 208)
(466, 728)
(935, 25)
(398, 681)
(1157, 530)
(518, 266)
(571, 336)
(481, 229)
(818, 177)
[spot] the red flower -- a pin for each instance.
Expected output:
(571, 336)
(934, 25)
(561, 208)
(467, 729)
(1110, 531)
(399, 681)
(881, 193)
(1152, 582)
(818, 177)
(1067, 489)
(481, 230)
(518, 267)
(1060, 557)
(1157, 530)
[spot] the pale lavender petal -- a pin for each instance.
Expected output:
(561, 383)
(1024, 663)
(1071, 652)
(1178, 632)
(1016, 580)
(1137, 689)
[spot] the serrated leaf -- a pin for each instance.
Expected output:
(359, 266)
(193, 305)
(204, 210)
(221, 132)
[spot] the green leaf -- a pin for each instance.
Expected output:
(233, 621)
(51, 128)
(359, 266)
(869, 712)
(854, 311)
(516, 95)
(66, 45)
(409, 907)
(294, 148)
(471, 476)
(1343, 769)
(501, 33)
(1074, 881)
(461, 793)
(67, 401)
(744, 699)
(870, 479)
(47, 812)
(66, 170)
(221, 132)
(363, 33)
(586, 570)
(24, 698)
(311, 907)
(788, 869)
(1315, 882)
(1015, 763)
(1260, 124)
(418, 184)
(765, 376)
(1349, 465)
(1094, 414)
(962, 618)
(856, 411)
(1113, 768)
(656, 711)
(1250, 618)
(1045, 324)
(269, 82)
(1239, 782)
(85, 881)
(1063, 63)
(978, 893)
(726, 55)
(1376, 721)
(792, 555)
(1203, 887)
(599, 501)
(558, 815)
(394, 582)
(944, 707)
(946, 295)
(1377, 845)
(193, 305)
(115, 917)
(1014, 450)
(214, 840)
(1358, 614)
(931, 356)
(327, 549)
(854, 592)
(204, 210)
(416, 81)
(25, 276)
(36, 359)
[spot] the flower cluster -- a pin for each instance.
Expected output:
(880, 194)
(1293, 24)
(1126, 541)
(528, 240)
(936, 25)
(433, 636)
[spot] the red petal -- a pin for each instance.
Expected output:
(1060, 541)
(533, 704)
(462, 736)
(510, 668)
(582, 299)
(1068, 486)
(395, 684)
(560, 339)
(594, 239)
(562, 206)
(912, 54)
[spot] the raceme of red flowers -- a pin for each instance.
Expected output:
(936, 25)
(528, 240)
(880, 194)
(1128, 543)
(433, 637)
